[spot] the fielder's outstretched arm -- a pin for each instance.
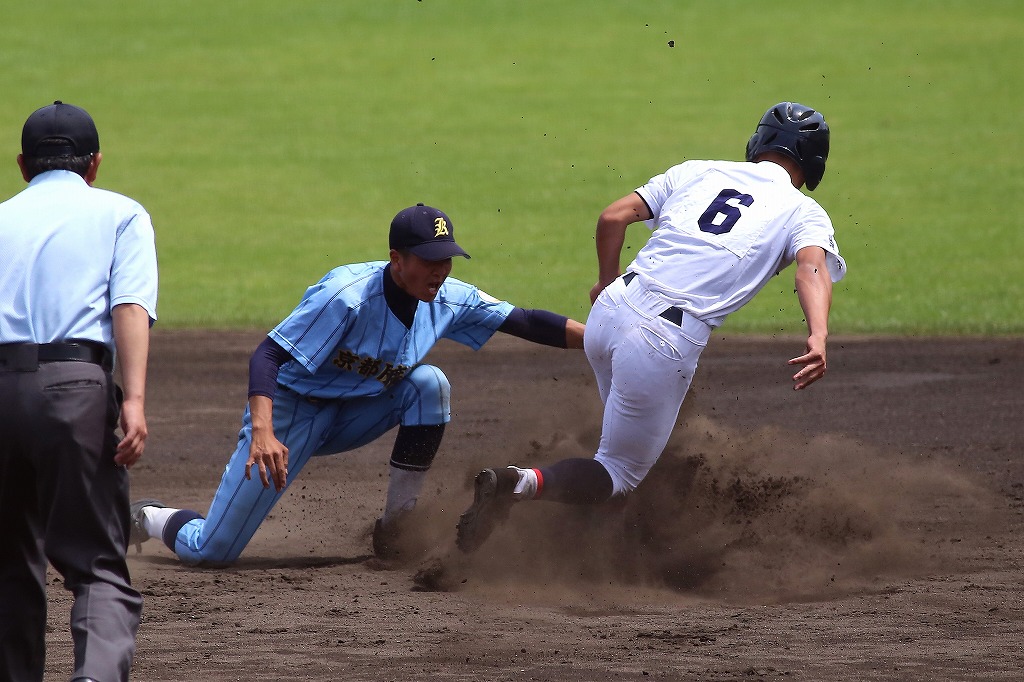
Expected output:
(544, 327)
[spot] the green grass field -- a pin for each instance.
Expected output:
(272, 141)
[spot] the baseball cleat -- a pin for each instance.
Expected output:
(491, 503)
(137, 533)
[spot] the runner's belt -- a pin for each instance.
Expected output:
(673, 314)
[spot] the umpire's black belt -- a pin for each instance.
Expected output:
(26, 357)
(673, 314)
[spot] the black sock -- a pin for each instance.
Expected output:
(415, 446)
(174, 524)
(577, 480)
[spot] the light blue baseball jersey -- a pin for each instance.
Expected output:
(80, 252)
(347, 343)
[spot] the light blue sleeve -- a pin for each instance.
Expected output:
(316, 326)
(477, 314)
(133, 272)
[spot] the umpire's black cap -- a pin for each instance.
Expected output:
(426, 232)
(59, 129)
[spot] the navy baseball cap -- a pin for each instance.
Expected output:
(426, 232)
(59, 129)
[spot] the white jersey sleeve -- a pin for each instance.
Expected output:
(721, 230)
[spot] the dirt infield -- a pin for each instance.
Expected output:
(869, 528)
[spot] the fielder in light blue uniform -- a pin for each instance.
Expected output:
(341, 370)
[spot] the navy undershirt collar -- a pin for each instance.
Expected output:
(401, 304)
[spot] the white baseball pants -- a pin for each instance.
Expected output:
(644, 364)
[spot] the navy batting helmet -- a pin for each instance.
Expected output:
(797, 131)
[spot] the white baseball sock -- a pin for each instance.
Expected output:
(526, 488)
(403, 489)
(154, 519)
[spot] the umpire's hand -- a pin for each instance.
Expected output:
(133, 424)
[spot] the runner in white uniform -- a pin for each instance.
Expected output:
(721, 231)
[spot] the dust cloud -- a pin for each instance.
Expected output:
(764, 516)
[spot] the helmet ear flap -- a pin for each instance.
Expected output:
(752, 146)
(814, 169)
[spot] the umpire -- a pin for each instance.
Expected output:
(78, 280)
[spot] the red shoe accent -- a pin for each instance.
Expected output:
(540, 483)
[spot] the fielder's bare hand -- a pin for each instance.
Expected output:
(271, 459)
(265, 451)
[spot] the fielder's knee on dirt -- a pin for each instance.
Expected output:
(194, 549)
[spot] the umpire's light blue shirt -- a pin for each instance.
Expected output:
(69, 253)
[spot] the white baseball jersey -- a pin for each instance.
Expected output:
(722, 229)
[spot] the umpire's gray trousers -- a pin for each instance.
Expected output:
(63, 499)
